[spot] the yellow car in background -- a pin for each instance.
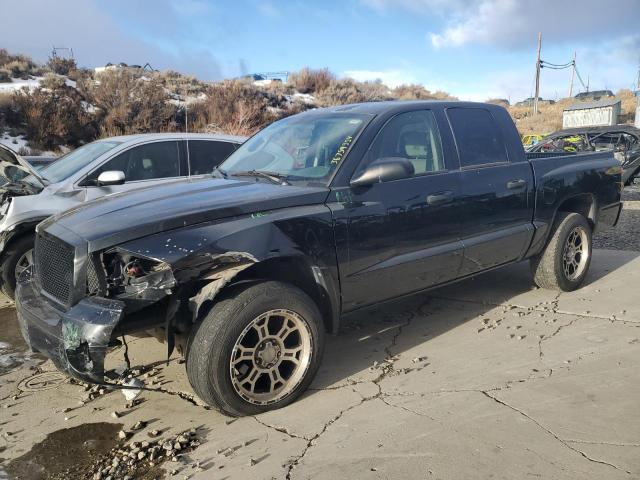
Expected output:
(528, 140)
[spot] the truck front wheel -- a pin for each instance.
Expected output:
(256, 350)
(564, 263)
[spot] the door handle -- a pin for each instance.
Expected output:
(440, 198)
(515, 184)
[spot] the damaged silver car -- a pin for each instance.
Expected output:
(112, 165)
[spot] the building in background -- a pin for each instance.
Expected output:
(587, 114)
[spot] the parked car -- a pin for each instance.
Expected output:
(318, 215)
(623, 140)
(532, 139)
(28, 195)
(594, 96)
(528, 102)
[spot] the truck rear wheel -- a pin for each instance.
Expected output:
(17, 258)
(564, 263)
(256, 350)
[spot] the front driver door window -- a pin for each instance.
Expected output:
(143, 165)
(150, 161)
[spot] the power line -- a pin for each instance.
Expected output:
(556, 66)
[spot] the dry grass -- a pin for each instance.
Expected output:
(550, 117)
(419, 92)
(5, 75)
(179, 84)
(128, 103)
(53, 117)
(234, 107)
(347, 90)
(308, 80)
(62, 66)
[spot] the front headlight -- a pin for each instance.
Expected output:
(132, 275)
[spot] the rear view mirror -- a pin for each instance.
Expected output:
(110, 177)
(384, 170)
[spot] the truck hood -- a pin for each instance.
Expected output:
(118, 218)
(16, 173)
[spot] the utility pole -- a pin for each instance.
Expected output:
(537, 94)
(573, 73)
(637, 122)
(186, 118)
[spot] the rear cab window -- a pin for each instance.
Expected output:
(477, 136)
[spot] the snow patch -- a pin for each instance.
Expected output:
(304, 97)
(17, 84)
(14, 143)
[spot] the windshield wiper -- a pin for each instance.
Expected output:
(275, 177)
(218, 170)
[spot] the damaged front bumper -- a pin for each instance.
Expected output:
(75, 340)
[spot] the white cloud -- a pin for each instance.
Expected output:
(486, 24)
(391, 78)
(516, 23)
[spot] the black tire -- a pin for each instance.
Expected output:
(16, 250)
(548, 268)
(212, 342)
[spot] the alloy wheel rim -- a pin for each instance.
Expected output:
(271, 357)
(575, 253)
(24, 262)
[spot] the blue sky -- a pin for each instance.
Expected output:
(473, 49)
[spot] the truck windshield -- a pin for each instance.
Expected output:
(307, 147)
(72, 162)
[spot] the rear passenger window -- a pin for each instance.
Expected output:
(410, 135)
(205, 155)
(477, 136)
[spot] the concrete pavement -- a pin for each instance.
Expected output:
(488, 378)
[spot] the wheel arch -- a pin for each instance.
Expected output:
(583, 204)
(294, 270)
(19, 231)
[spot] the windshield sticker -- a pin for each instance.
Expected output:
(337, 158)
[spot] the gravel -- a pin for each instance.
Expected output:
(625, 235)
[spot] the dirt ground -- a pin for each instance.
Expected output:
(489, 378)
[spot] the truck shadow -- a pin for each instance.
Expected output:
(370, 338)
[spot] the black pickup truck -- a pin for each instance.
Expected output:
(316, 216)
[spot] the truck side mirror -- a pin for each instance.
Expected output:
(384, 170)
(110, 177)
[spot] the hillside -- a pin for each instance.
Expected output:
(57, 106)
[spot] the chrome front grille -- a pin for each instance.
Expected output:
(54, 267)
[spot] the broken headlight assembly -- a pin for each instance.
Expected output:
(135, 277)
